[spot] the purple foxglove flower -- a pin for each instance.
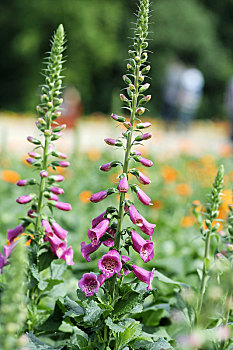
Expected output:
(101, 279)
(22, 182)
(48, 229)
(58, 247)
(87, 249)
(124, 259)
(110, 141)
(31, 213)
(144, 199)
(98, 219)
(51, 147)
(144, 275)
(31, 160)
(8, 248)
(59, 231)
(123, 185)
(135, 217)
(24, 199)
(118, 118)
(57, 178)
(3, 262)
(144, 247)
(44, 173)
(89, 284)
(33, 155)
(147, 227)
(61, 155)
(110, 263)
(53, 197)
(96, 233)
(146, 162)
(147, 136)
(56, 190)
(63, 206)
(143, 179)
(63, 164)
(33, 140)
(106, 167)
(15, 232)
(110, 242)
(67, 255)
(138, 153)
(99, 196)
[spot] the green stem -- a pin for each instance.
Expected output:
(125, 168)
(204, 274)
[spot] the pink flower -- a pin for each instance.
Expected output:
(124, 259)
(146, 162)
(34, 155)
(48, 229)
(135, 217)
(98, 219)
(144, 199)
(52, 197)
(15, 232)
(59, 231)
(8, 248)
(58, 247)
(110, 242)
(67, 255)
(110, 263)
(138, 153)
(43, 173)
(24, 199)
(144, 275)
(143, 137)
(143, 179)
(144, 247)
(143, 125)
(22, 182)
(147, 227)
(106, 167)
(63, 164)
(31, 213)
(31, 160)
(3, 262)
(87, 249)
(61, 155)
(96, 233)
(63, 206)
(99, 196)
(123, 185)
(89, 284)
(56, 190)
(101, 279)
(110, 141)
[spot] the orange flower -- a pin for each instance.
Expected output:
(85, 196)
(94, 154)
(169, 174)
(227, 199)
(10, 176)
(187, 221)
(184, 189)
(157, 204)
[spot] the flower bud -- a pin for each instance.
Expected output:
(43, 173)
(24, 199)
(99, 196)
(146, 69)
(143, 137)
(123, 185)
(57, 178)
(106, 167)
(63, 206)
(129, 67)
(140, 110)
(144, 56)
(144, 87)
(143, 125)
(126, 79)
(34, 155)
(145, 99)
(31, 213)
(113, 142)
(23, 182)
(132, 87)
(33, 140)
(31, 160)
(125, 99)
(127, 125)
(118, 118)
(47, 132)
(131, 53)
(146, 162)
(56, 190)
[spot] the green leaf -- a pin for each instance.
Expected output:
(160, 344)
(116, 328)
(131, 332)
(92, 313)
(80, 338)
(58, 267)
(162, 278)
(55, 319)
(36, 344)
(45, 260)
(72, 307)
(124, 306)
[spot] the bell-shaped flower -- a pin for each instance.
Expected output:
(147, 227)
(110, 263)
(98, 219)
(59, 231)
(56, 190)
(135, 217)
(89, 284)
(97, 232)
(58, 247)
(106, 167)
(110, 241)
(63, 206)
(142, 196)
(124, 259)
(99, 196)
(144, 247)
(146, 162)
(15, 232)
(123, 185)
(24, 199)
(3, 262)
(144, 275)
(143, 179)
(67, 255)
(87, 249)
(8, 248)
(48, 229)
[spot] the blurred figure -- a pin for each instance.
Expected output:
(229, 104)
(170, 91)
(72, 108)
(189, 95)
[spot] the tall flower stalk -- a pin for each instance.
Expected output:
(38, 225)
(108, 227)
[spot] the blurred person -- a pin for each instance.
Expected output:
(72, 108)
(229, 105)
(189, 95)
(170, 91)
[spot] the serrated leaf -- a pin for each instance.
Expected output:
(92, 313)
(131, 332)
(116, 328)
(36, 344)
(73, 308)
(160, 344)
(124, 306)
